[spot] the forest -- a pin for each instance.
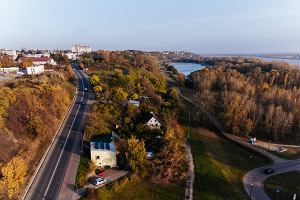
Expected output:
(31, 109)
(250, 96)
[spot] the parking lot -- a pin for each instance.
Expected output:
(111, 175)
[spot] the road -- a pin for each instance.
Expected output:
(254, 180)
(47, 182)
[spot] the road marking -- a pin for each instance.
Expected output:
(45, 194)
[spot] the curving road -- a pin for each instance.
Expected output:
(254, 180)
(50, 175)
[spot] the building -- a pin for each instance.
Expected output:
(152, 121)
(103, 151)
(35, 70)
(79, 49)
(40, 60)
(38, 55)
(71, 56)
(10, 70)
(9, 52)
(134, 102)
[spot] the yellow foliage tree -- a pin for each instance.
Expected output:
(14, 175)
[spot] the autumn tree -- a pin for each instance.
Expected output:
(14, 175)
(137, 157)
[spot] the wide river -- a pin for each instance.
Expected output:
(187, 68)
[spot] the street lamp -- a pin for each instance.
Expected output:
(250, 159)
(251, 191)
(277, 193)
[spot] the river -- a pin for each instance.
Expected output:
(187, 68)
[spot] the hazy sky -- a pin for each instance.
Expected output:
(210, 26)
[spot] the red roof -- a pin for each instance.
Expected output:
(42, 59)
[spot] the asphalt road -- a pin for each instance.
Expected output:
(48, 181)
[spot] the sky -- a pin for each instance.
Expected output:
(199, 26)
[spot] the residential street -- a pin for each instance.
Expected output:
(59, 168)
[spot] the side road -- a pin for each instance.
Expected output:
(254, 180)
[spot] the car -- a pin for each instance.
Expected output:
(82, 103)
(85, 89)
(99, 181)
(269, 171)
(99, 172)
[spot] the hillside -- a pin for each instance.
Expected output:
(31, 110)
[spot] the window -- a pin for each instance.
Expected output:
(97, 157)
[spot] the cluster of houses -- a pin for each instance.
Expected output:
(104, 150)
(39, 59)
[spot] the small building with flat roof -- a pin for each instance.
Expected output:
(103, 151)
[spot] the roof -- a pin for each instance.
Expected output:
(41, 59)
(102, 146)
(147, 116)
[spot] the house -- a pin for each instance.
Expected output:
(152, 121)
(79, 49)
(35, 70)
(134, 102)
(40, 61)
(103, 151)
(9, 52)
(71, 56)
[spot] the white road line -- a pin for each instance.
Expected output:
(65, 141)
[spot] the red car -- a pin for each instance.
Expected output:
(99, 172)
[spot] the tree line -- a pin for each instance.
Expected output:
(250, 96)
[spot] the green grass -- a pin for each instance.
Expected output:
(290, 154)
(288, 183)
(135, 188)
(220, 166)
(82, 171)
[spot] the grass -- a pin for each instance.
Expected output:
(288, 183)
(220, 166)
(135, 188)
(83, 170)
(291, 153)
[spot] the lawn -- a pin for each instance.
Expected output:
(220, 166)
(135, 188)
(288, 184)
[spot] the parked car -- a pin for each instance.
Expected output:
(99, 181)
(269, 171)
(99, 172)
(85, 89)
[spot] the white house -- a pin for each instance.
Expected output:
(35, 69)
(71, 56)
(103, 151)
(153, 122)
(79, 49)
(134, 102)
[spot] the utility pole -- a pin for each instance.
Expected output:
(189, 134)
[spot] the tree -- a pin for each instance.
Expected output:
(120, 94)
(95, 80)
(135, 96)
(14, 175)
(137, 156)
(170, 163)
(97, 89)
(26, 62)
